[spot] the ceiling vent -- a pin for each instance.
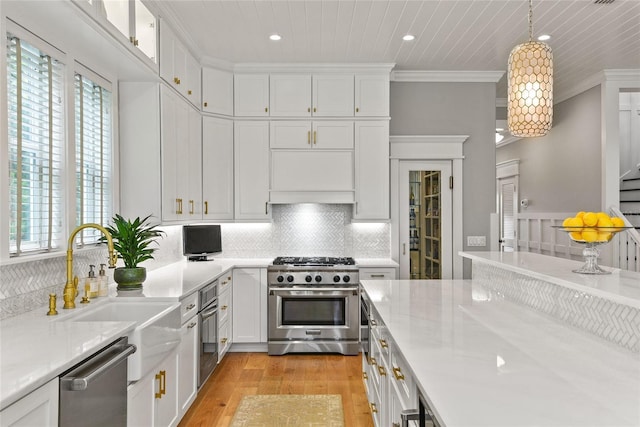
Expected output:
(603, 1)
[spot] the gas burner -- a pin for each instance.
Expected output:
(314, 261)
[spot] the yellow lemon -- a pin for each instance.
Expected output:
(589, 235)
(590, 219)
(617, 222)
(566, 221)
(605, 222)
(602, 215)
(573, 224)
(580, 214)
(604, 236)
(576, 235)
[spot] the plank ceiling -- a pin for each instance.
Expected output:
(587, 35)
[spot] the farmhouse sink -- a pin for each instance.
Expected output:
(157, 330)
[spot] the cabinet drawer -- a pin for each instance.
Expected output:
(224, 339)
(402, 380)
(224, 282)
(377, 274)
(224, 306)
(189, 307)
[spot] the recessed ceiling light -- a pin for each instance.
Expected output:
(544, 37)
(408, 37)
(275, 37)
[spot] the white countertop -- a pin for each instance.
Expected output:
(621, 286)
(481, 360)
(376, 262)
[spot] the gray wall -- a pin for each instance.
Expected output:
(560, 172)
(456, 109)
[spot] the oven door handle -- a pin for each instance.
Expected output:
(343, 291)
(207, 314)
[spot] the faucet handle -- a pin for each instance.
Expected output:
(113, 259)
(52, 305)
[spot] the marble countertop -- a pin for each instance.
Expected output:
(621, 286)
(482, 360)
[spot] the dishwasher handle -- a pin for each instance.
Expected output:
(121, 352)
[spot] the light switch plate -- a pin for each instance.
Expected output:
(476, 240)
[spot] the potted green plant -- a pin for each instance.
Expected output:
(132, 241)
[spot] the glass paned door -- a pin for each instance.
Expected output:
(425, 220)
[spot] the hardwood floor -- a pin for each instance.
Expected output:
(242, 374)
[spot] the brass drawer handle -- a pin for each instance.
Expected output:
(224, 340)
(158, 395)
(191, 207)
(382, 371)
(224, 307)
(206, 204)
(398, 374)
(191, 325)
(372, 361)
(365, 376)
(189, 307)
(383, 343)
(374, 409)
(206, 104)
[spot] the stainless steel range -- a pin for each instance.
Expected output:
(314, 305)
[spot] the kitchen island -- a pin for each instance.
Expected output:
(481, 358)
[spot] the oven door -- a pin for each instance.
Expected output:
(365, 328)
(314, 314)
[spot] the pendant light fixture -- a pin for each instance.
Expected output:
(530, 91)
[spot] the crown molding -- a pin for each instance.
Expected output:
(630, 75)
(371, 68)
(428, 139)
(447, 76)
(219, 64)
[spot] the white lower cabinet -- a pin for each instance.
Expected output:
(153, 401)
(249, 314)
(38, 408)
(188, 365)
(225, 310)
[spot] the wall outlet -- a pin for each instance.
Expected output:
(476, 240)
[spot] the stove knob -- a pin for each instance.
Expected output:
(308, 279)
(346, 279)
(289, 278)
(336, 278)
(318, 278)
(280, 279)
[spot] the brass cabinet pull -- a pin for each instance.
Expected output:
(314, 109)
(205, 104)
(224, 307)
(383, 343)
(164, 382)
(266, 109)
(191, 207)
(308, 109)
(191, 325)
(229, 278)
(224, 340)
(266, 208)
(377, 276)
(372, 361)
(135, 43)
(206, 205)
(395, 424)
(176, 80)
(315, 137)
(189, 92)
(179, 206)
(189, 307)
(132, 39)
(158, 395)
(398, 374)
(365, 376)
(357, 110)
(374, 409)
(308, 137)
(373, 322)
(382, 371)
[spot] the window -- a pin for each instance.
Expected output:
(35, 87)
(93, 155)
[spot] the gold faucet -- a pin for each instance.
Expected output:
(71, 287)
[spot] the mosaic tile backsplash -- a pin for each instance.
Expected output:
(614, 322)
(296, 230)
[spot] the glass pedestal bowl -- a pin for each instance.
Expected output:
(591, 238)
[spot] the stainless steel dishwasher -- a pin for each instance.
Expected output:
(94, 392)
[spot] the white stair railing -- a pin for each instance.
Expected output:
(627, 251)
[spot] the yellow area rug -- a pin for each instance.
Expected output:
(280, 410)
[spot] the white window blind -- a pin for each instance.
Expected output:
(93, 156)
(36, 147)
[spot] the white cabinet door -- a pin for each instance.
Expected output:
(217, 91)
(224, 339)
(166, 385)
(193, 86)
(372, 95)
(290, 134)
(145, 31)
(251, 94)
(170, 200)
(188, 365)
(249, 314)
(38, 408)
(310, 170)
(333, 95)
(217, 168)
(141, 402)
(193, 171)
(251, 170)
(332, 135)
(178, 67)
(140, 181)
(372, 170)
(290, 95)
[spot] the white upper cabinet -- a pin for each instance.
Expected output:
(333, 95)
(128, 19)
(217, 168)
(178, 67)
(323, 135)
(372, 95)
(217, 91)
(251, 95)
(290, 95)
(251, 170)
(372, 170)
